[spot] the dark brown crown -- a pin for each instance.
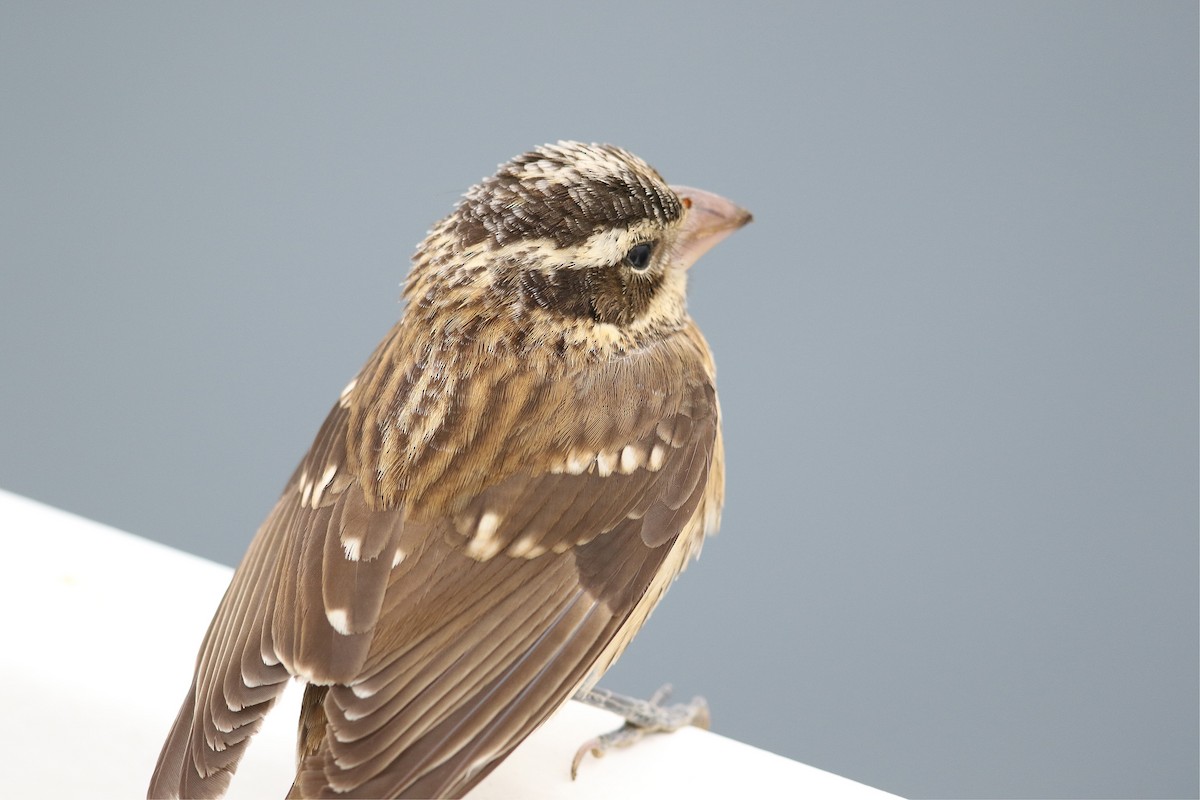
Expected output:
(564, 192)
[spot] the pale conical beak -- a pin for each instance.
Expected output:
(707, 219)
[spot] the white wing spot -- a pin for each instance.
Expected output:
(362, 691)
(353, 547)
(667, 433)
(339, 618)
(344, 397)
(485, 544)
(578, 463)
(526, 547)
(305, 488)
(658, 454)
(488, 523)
(605, 463)
(353, 715)
(631, 458)
(397, 557)
(319, 489)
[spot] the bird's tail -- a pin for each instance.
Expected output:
(191, 767)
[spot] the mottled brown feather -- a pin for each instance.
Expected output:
(485, 517)
(434, 671)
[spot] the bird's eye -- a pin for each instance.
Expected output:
(638, 256)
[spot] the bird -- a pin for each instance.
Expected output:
(494, 504)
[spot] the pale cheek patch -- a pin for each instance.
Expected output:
(668, 306)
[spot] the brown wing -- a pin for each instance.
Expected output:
(452, 617)
(486, 633)
(297, 605)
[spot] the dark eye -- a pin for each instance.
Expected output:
(638, 256)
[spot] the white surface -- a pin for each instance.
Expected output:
(102, 633)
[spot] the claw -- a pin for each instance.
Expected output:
(593, 745)
(641, 717)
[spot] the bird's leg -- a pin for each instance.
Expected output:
(641, 717)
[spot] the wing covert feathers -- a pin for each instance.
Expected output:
(444, 583)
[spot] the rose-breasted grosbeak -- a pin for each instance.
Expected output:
(495, 503)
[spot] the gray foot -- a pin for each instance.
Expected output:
(641, 717)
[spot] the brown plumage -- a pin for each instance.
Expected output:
(495, 503)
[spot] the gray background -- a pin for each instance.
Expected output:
(957, 349)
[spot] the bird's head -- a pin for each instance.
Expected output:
(574, 235)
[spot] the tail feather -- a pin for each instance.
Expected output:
(190, 767)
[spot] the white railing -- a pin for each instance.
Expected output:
(102, 631)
